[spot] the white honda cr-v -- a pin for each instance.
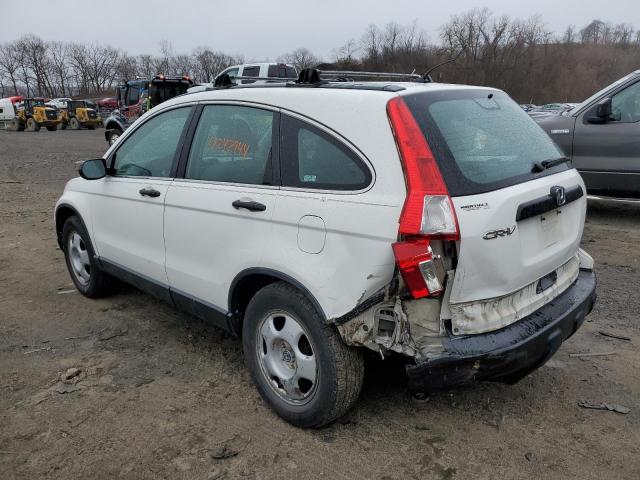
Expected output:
(434, 221)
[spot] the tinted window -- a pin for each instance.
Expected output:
(250, 72)
(482, 140)
(232, 144)
(162, 91)
(150, 150)
(282, 71)
(133, 96)
(310, 158)
(625, 105)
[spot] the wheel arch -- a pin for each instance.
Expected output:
(63, 212)
(248, 282)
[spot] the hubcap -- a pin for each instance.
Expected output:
(113, 138)
(79, 258)
(287, 358)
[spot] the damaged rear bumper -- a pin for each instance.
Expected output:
(512, 352)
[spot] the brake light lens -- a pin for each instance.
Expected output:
(417, 266)
(428, 209)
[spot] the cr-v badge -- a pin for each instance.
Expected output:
(499, 233)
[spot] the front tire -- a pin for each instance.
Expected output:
(32, 125)
(81, 262)
(74, 123)
(114, 135)
(299, 364)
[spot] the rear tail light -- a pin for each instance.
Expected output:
(418, 267)
(428, 210)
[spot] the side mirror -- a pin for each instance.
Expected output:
(604, 109)
(93, 169)
(601, 113)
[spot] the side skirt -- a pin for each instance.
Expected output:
(182, 301)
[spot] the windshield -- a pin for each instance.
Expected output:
(481, 139)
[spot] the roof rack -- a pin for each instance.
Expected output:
(316, 76)
(313, 77)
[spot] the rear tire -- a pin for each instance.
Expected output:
(81, 260)
(74, 123)
(283, 335)
(32, 125)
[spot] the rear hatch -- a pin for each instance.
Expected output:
(518, 221)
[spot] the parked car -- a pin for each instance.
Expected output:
(433, 221)
(58, 103)
(528, 106)
(109, 103)
(601, 136)
(550, 109)
(277, 71)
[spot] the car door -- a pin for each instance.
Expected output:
(608, 154)
(128, 204)
(329, 227)
(218, 215)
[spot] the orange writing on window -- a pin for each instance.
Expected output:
(228, 145)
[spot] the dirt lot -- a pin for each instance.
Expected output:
(162, 395)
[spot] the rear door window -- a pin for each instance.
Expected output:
(311, 158)
(232, 144)
(282, 71)
(481, 139)
(253, 71)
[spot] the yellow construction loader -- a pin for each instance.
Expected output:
(32, 114)
(79, 114)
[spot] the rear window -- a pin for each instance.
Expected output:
(161, 91)
(482, 140)
(282, 71)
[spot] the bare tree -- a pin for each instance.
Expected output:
(300, 58)
(10, 64)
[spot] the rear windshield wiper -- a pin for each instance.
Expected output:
(545, 164)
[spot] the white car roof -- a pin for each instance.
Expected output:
(290, 97)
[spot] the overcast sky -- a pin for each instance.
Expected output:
(264, 29)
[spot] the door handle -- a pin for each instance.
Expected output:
(149, 192)
(249, 205)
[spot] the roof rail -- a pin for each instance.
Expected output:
(315, 76)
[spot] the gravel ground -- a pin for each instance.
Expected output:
(162, 395)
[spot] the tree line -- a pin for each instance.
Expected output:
(520, 56)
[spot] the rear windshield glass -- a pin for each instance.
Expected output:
(481, 139)
(282, 71)
(164, 90)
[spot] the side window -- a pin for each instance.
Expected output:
(310, 158)
(150, 150)
(232, 144)
(232, 72)
(251, 72)
(625, 105)
(133, 95)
